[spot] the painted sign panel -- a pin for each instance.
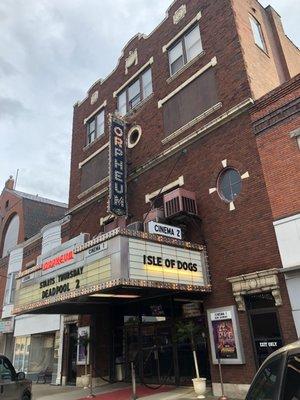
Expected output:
(225, 336)
(158, 262)
(117, 203)
(164, 230)
(7, 325)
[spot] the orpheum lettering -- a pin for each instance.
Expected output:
(63, 258)
(117, 174)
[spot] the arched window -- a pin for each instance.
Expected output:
(11, 235)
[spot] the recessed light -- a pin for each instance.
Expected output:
(115, 296)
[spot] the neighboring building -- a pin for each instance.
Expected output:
(276, 121)
(186, 93)
(38, 339)
(22, 216)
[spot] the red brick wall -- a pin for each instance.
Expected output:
(232, 84)
(15, 206)
(238, 242)
(265, 71)
(279, 153)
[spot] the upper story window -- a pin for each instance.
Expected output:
(95, 127)
(135, 93)
(187, 48)
(10, 288)
(257, 33)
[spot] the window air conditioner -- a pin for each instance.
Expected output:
(178, 202)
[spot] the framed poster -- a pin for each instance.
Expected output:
(225, 336)
(83, 332)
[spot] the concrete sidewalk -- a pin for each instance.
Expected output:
(48, 392)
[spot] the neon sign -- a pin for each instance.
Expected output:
(117, 168)
(63, 258)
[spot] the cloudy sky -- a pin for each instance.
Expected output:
(51, 51)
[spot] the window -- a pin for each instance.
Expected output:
(229, 184)
(187, 48)
(134, 136)
(11, 235)
(138, 91)
(257, 33)
(265, 385)
(292, 379)
(95, 127)
(10, 288)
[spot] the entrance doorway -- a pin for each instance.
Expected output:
(264, 325)
(72, 354)
(152, 343)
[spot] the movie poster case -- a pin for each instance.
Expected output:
(225, 336)
(83, 331)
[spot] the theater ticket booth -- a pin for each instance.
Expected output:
(138, 289)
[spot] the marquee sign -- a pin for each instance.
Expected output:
(117, 203)
(159, 262)
(122, 260)
(164, 230)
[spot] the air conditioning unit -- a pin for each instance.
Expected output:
(136, 226)
(180, 202)
(157, 215)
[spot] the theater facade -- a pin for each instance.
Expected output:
(144, 282)
(171, 237)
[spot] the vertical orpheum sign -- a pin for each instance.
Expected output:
(117, 203)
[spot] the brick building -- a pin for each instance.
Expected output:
(188, 96)
(22, 217)
(276, 123)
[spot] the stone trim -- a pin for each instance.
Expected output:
(178, 182)
(212, 63)
(104, 104)
(81, 164)
(180, 33)
(148, 63)
(94, 187)
(192, 123)
(256, 282)
(295, 133)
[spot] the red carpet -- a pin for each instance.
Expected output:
(125, 394)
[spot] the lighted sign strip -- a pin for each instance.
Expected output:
(110, 284)
(140, 235)
(164, 271)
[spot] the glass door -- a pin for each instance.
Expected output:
(157, 353)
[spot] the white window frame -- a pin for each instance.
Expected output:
(141, 93)
(97, 132)
(257, 32)
(184, 54)
(11, 280)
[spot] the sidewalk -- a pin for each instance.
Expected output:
(113, 392)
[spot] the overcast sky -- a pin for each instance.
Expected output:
(51, 51)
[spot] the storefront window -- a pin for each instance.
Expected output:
(41, 353)
(22, 347)
(34, 354)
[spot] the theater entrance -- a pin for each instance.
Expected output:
(155, 344)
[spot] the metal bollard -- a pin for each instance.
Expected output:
(223, 397)
(134, 396)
